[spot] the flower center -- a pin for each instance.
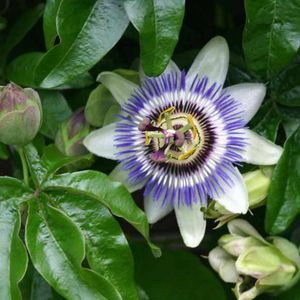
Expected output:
(174, 137)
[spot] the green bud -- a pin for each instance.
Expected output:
(20, 115)
(236, 245)
(262, 261)
(258, 265)
(71, 134)
(257, 183)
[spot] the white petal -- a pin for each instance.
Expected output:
(223, 263)
(235, 197)
(212, 61)
(171, 68)
(260, 151)
(217, 257)
(191, 224)
(228, 272)
(101, 142)
(250, 96)
(155, 210)
(117, 174)
(121, 88)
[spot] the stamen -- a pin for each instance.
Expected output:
(168, 112)
(187, 154)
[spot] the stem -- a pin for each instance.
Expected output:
(24, 165)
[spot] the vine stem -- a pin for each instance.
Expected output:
(24, 165)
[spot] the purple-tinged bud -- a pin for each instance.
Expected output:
(158, 156)
(144, 124)
(20, 115)
(71, 134)
(179, 138)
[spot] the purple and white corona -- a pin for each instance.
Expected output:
(181, 135)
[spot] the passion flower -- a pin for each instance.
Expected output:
(180, 135)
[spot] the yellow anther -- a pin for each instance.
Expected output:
(192, 123)
(187, 154)
(167, 111)
(147, 139)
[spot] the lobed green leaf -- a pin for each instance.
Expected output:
(56, 247)
(13, 255)
(107, 249)
(112, 194)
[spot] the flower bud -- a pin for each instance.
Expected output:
(263, 263)
(257, 265)
(71, 134)
(20, 115)
(257, 183)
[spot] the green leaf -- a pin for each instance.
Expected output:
(13, 254)
(87, 31)
(53, 160)
(21, 69)
(128, 74)
(38, 170)
(285, 88)
(271, 35)
(237, 71)
(266, 121)
(81, 81)
(107, 249)
(56, 247)
(98, 105)
(283, 203)
(290, 125)
(176, 275)
(13, 189)
(112, 115)
(55, 111)
(112, 194)
(34, 287)
(159, 23)
(49, 22)
(19, 30)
